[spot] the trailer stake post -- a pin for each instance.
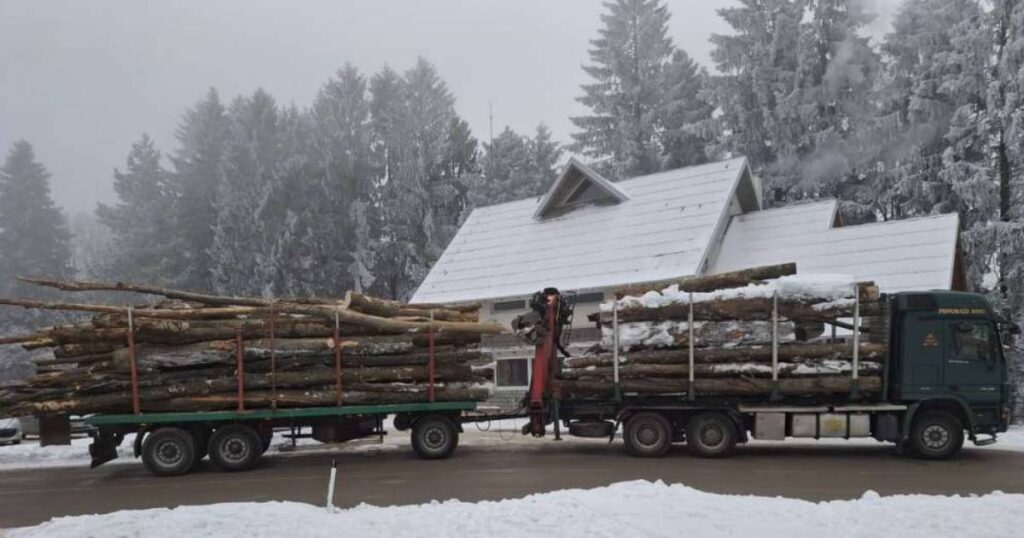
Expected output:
(133, 364)
(240, 367)
(690, 391)
(855, 374)
(616, 392)
(430, 337)
(775, 345)
(337, 359)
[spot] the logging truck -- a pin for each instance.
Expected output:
(941, 378)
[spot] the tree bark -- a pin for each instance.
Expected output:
(739, 386)
(795, 352)
(753, 309)
(722, 370)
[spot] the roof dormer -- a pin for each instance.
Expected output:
(578, 186)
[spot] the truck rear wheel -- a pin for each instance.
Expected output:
(235, 447)
(711, 435)
(648, 435)
(434, 437)
(936, 435)
(169, 452)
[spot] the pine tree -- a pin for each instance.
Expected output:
(515, 167)
(34, 240)
(201, 135)
(758, 65)
(683, 109)
(342, 140)
(643, 92)
(140, 221)
(241, 252)
(419, 144)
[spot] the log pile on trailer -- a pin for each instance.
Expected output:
(198, 352)
(754, 333)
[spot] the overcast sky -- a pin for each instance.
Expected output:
(82, 80)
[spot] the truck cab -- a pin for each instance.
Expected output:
(948, 359)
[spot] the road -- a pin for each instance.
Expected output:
(810, 472)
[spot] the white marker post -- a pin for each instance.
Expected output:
(330, 485)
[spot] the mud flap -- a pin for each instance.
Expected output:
(103, 449)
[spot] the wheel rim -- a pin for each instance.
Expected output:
(648, 435)
(435, 438)
(235, 449)
(168, 453)
(935, 437)
(712, 435)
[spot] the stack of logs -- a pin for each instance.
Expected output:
(293, 353)
(733, 328)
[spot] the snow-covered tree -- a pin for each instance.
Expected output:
(644, 91)
(201, 135)
(140, 220)
(241, 251)
(515, 167)
(34, 241)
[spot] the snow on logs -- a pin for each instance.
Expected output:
(733, 333)
(186, 352)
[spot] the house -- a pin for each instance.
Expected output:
(591, 235)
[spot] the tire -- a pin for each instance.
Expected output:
(648, 435)
(711, 435)
(936, 435)
(235, 447)
(434, 437)
(169, 452)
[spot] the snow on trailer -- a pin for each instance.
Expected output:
(200, 374)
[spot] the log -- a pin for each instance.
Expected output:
(390, 309)
(737, 386)
(746, 309)
(664, 334)
(723, 370)
(86, 285)
(796, 352)
(733, 279)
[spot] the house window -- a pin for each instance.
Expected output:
(512, 373)
(508, 306)
(590, 297)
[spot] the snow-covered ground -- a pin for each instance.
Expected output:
(637, 508)
(496, 436)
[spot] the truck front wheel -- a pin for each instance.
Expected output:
(434, 437)
(648, 435)
(936, 435)
(235, 447)
(711, 435)
(169, 452)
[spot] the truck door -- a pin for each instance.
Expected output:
(973, 361)
(922, 353)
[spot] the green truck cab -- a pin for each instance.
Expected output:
(948, 362)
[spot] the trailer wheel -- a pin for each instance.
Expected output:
(434, 437)
(648, 435)
(936, 435)
(235, 447)
(169, 452)
(711, 435)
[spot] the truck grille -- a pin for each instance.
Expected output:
(7, 432)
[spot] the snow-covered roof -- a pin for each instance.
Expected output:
(905, 255)
(662, 227)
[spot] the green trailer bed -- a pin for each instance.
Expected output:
(270, 414)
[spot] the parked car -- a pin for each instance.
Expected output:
(10, 431)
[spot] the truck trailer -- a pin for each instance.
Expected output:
(934, 394)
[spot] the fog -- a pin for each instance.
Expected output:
(82, 80)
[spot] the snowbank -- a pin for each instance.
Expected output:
(636, 508)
